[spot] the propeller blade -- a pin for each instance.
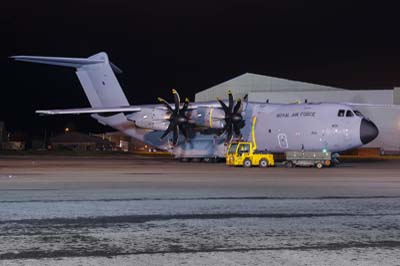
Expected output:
(177, 100)
(175, 136)
(226, 110)
(233, 119)
(237, 106)
(166, 132)
(230, 96)
(166, 104)
(178, 121)
(237, 130)
(219, 133)
(169, 129)
(185, 106)
(185, 131)
(229, 136)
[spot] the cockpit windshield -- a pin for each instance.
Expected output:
(233, 147)
(358, 113)
(349, 113)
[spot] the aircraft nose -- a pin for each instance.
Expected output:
(368, 131)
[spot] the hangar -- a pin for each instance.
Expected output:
(260, 88)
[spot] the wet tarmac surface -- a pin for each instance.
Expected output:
(130, 210)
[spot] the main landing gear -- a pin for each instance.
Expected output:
(198, 160)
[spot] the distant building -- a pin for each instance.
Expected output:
(120, 141)
(74, 141)
(13, 145)
(15, 141)
(125, 143)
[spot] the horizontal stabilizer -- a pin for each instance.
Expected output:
(89, 110)
(96, 74)
(59, 61)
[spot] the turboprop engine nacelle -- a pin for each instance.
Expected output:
(151, 118)
(209, 117)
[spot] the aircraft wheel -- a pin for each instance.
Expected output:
(210, 160)
(247, 163)
(319, 165)
(263, 163)
(289, 164)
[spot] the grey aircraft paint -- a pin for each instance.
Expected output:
(278, 127)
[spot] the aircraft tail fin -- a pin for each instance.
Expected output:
(95, 74)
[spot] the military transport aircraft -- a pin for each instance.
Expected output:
(202, 129)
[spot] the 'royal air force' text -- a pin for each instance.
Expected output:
(297, 114)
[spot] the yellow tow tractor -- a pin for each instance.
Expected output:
(244, 153)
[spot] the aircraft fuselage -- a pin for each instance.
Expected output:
(278, 128)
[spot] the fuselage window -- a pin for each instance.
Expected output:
(349, 113)
(341, 113)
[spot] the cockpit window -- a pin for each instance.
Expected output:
(341, 113)
(358, 113)
(349, 113)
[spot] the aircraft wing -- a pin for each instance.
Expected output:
(204, 105)
(194, 106)
(112, 109)
(207, 105)
(89, 110)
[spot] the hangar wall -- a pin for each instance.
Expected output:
(262, 88)
(359, 96)
(248, 82)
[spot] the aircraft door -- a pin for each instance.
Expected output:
(282, 140)
(346, 117)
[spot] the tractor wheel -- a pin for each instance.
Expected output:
(319, 165)
(247, 163)
(263, 163)
(289, 164)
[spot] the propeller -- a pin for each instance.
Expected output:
(233, 118)
(178, 121)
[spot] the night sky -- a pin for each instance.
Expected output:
(188, 45)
